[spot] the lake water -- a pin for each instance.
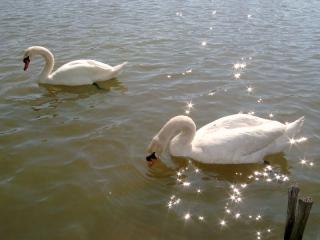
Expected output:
(73, 159)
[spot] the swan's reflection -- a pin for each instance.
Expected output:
(244, 173)
(57, 94)
(87, 90)
(53, 96)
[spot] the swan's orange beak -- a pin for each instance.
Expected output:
(26, 61)
(151, 159)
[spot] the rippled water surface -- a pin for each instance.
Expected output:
(73, 159)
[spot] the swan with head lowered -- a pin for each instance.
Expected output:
(75, 73)
(234, 139)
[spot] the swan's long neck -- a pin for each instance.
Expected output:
(49, 59)
(182, 126)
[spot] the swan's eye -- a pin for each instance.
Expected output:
(26, 61)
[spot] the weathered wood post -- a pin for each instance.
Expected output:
(296, 224)
(304, 208)
(291, 210)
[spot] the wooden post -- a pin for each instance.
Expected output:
(304, 208)
(291, 210)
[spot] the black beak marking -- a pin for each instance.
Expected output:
(26, 62)
(151, 157)
(26, 59)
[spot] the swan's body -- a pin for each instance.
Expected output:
(235, 139)
(75, 73)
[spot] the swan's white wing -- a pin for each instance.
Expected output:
(232, 144)
(235, 121)
(87, 63)
(81, 72)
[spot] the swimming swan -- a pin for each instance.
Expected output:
(75, 73)
(234, 139)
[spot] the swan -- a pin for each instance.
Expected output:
(234, 139)
(75, 73)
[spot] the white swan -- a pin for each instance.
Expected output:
(234, 139)
(75, 73)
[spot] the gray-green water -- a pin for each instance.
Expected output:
(72, 159)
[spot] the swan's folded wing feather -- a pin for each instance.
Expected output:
(86, 63)
(100, 65)
(257, 138)
(235, 121)
(239, 141)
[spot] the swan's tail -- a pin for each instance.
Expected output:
(294, 128)
(117, 69)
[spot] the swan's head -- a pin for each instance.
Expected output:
(30, 52)
(155, 149)
(26, 58)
